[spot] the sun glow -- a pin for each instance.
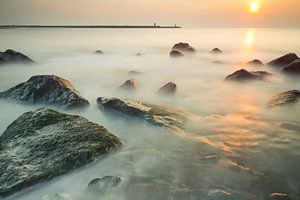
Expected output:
(254, 7)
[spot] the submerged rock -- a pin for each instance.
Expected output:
(56, 196)
(216, 51)
(47, 90)
(128, 85)
(100, 184)
(255, 62)
(175, 53)
(285, 60)
(43, 144)
(284, 98)
(153, 114)
(168, 89)
(293, 68)
(11, 56)
(279, 196)
(183, 47)
(244, 75)
(98, 52)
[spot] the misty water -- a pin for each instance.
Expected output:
(233, 147)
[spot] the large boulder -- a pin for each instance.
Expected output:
(101, 184)
(293, 68)
(43, 144)
(175, 53)
(255, 62)
(47, 90)
(183, 47)
(284, 98)
(244, 75)
(11, 56)
(168, 89)
(284, 61)
(153, 114)
(128, 85)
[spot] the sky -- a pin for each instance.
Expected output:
(186, 13)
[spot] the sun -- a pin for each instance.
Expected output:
(254, 7)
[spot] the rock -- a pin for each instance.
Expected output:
(255, 62)
(47, 90)
(43, 144)
(100, 184)
(129, 84)
(169, 89)
(98, 52)
(56, 196)
(11, 56)
(293, 68)
(138, 54)
(216, 51)
(183, 47)
(284, 61)
(244, 75)
(153, 114)
(175, 53)
(217, 62)
(284, 98)
(279, 196)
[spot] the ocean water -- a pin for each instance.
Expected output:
(234, 148)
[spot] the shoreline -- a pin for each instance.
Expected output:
(87, 26)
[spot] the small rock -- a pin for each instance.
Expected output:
(138, 54)
(244, 75)
(175, 53)
(216, 51)
(279, 196)
(98, 52)
(129, 84)
(284, 98)
(11, 56)
(255, 62)
(169, 89)
(217, 62)
(56, 196)
(106, 182)
(183, 47)
(293, 68)
(285, 60)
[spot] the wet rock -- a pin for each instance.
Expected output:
(100, 184)
(293, 68)
(47, 90)
(168, 89)
(284, 98)
(56, 196)
(175, 53)
(284, 61)
(183, 47)
(244, 75)
(98, 52)
(128, 85)
(255, 62)
(11, 56)
(216, 51)
(43, 144)
(153, 114)
(279, 196)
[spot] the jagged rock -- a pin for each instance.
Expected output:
(11, 56)
(47, 90)
(56, 196)
(169, 88)
(98, 52)
(43, 144)
(255, 62)
(244, 75)
(279, 196)
(293, 68)
(153, 114)
(284, 98)
(183, 47)
(216, 51)
(100, 184)
(175, 53)
(129, 84)
(285, 60)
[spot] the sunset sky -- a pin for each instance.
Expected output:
(187, 13)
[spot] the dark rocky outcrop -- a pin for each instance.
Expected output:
(183, 47)
(293, 68)
(284, 98)
(47, 90)
(175, 53)
(100, 184)
(216, 51)
(128, 85)
(11, 56)
(98, 52)
(255, 62)
(153, 114)
(168, 89)
(279, 196)
(284, 61)
(43, 144)
(244, 75)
